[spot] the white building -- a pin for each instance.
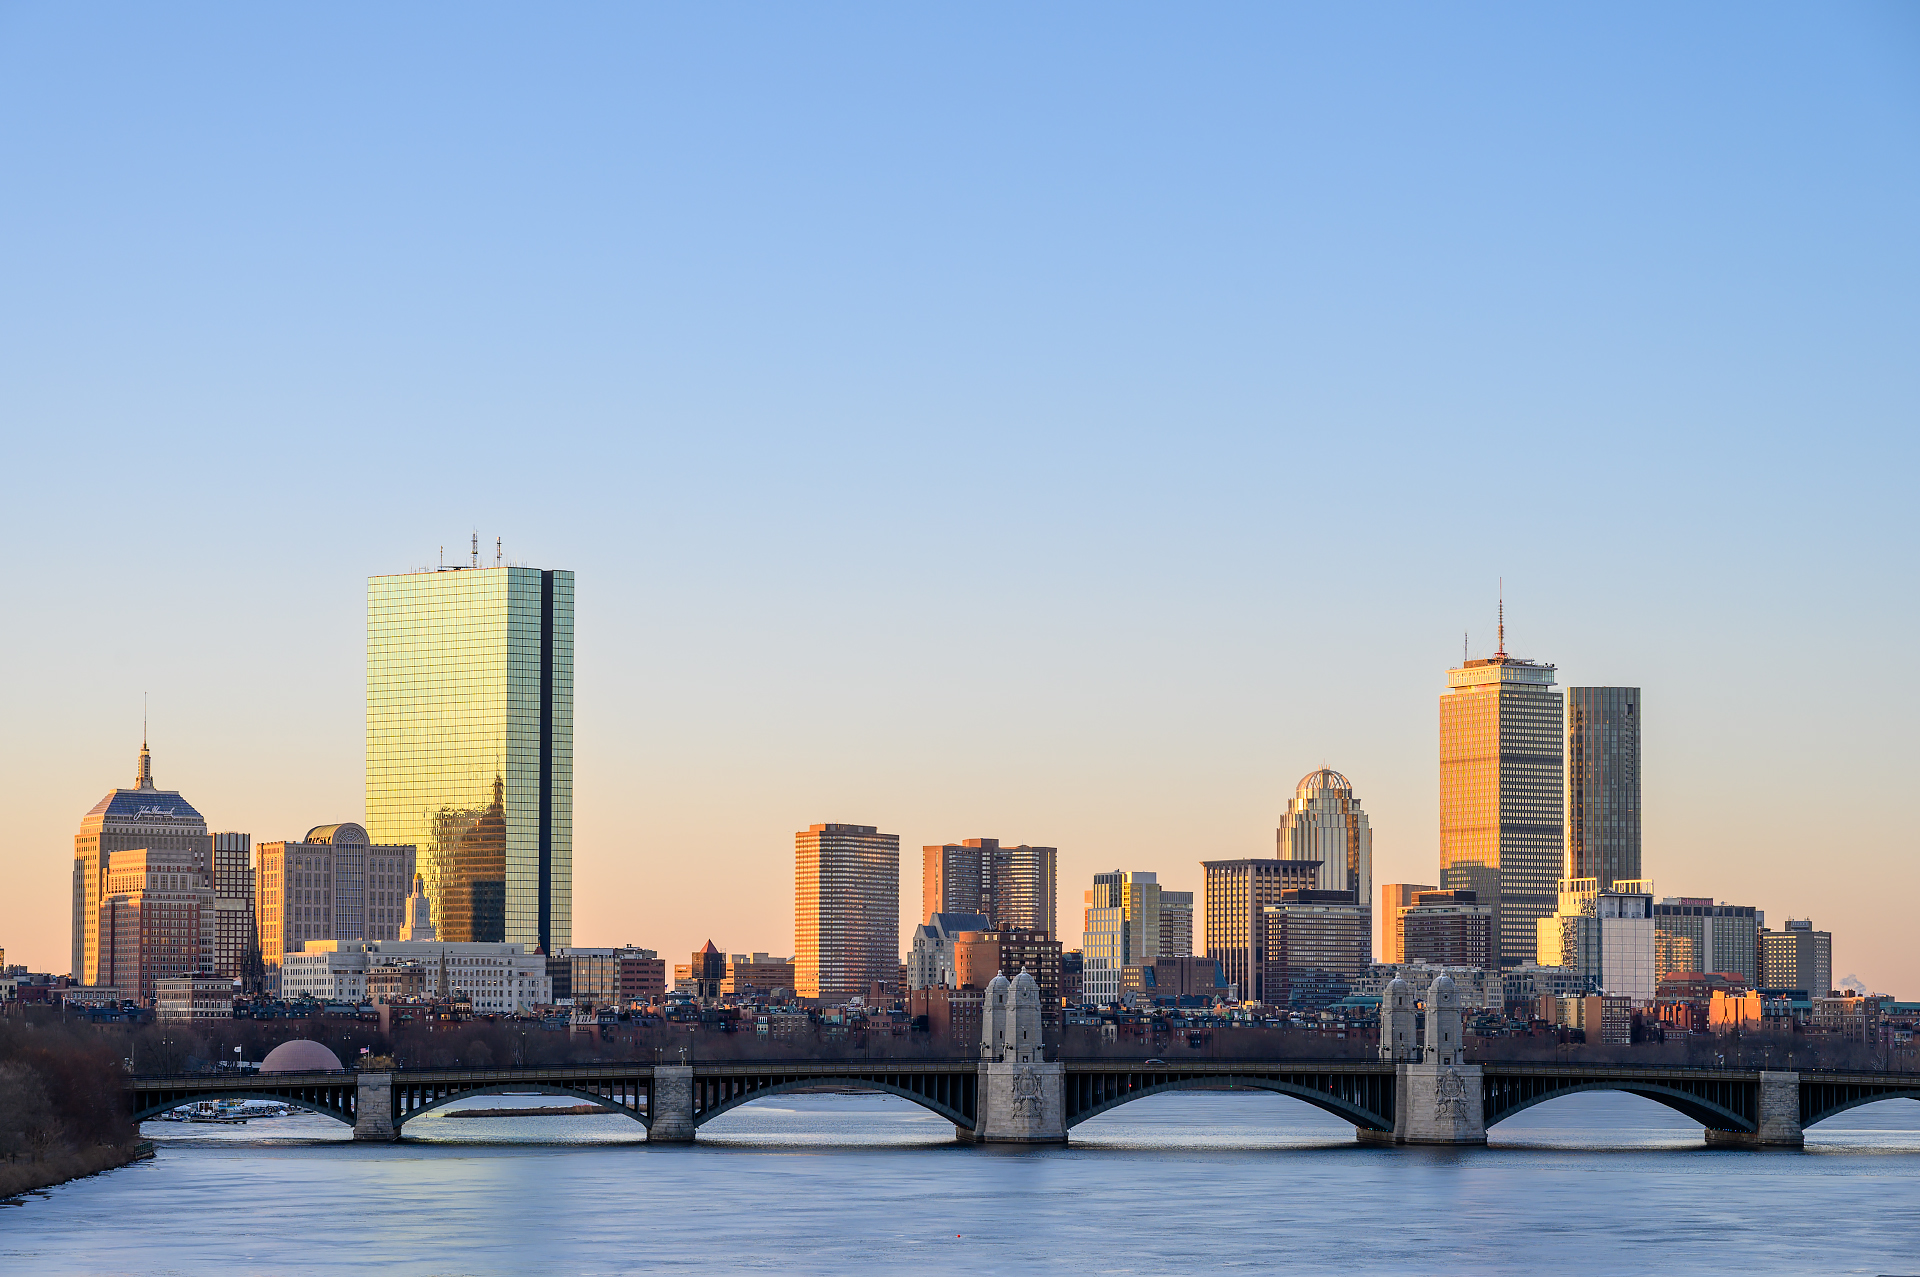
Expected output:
(1324, 822)
(1605, 936)
(500, 979)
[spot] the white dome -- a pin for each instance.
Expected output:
(300, 1056)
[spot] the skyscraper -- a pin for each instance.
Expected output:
(470, 744)
(1238, 892)
(1017, 887)
(846, 910)
(1324, 822)
(1501, 739)
(143, 818)
(1603, 784)
(236, 939)
(1120, 929)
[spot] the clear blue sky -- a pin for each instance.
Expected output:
(1066, 426)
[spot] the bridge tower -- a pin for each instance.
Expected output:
(1438, 1099)
(1397, 1024)
(1022, 1098)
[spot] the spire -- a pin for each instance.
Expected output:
(1503, 618)
(143, 774)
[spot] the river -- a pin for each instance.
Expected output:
(1185, 1183)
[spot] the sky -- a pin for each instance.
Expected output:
(1067, 426)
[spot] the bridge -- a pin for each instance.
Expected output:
(997, 1102)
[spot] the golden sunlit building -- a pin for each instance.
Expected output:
(846, 911)
(470, 744)
(1501, 836)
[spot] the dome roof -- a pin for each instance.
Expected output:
(346, 833)
(300, 1056)
(1324, 778)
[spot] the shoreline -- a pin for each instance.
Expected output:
(19, 1178)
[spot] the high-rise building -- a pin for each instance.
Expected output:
(846, 911)
(1501, 738)
(156, 922)
(1445, 929)
(1017, 887)
(236, 941)
(1395, 896)
(1324, 823)
(1121, 927)
(979, 956)
(143, 818)
(470, 744)
(1726, 938)
(1797, 958)
(334, 884)
(1176, 924)
(1317, 944)
(1606, 936)
(1237, 893)
(1603, 784)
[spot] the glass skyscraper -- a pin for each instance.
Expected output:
(470, 744)
(1603, 784)
(1501, 741)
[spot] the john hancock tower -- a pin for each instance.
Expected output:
(470, 744)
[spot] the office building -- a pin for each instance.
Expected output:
(1501, 837)
(1324, 823)
(1608, 937)
(979, 956)
(759, 975)
(470, 745)
(143, 818)
(499, 979)
(707, 968)
(1444, 928)
(1317, 944)
(202, 997)
(1121, 926)
(1726, 938)
(1015, 887)
(236, 941)
(1674, 954)
(1395, 896)
(1797, 958)
(334, 884)
(157, 920)
(1183, 981)
(1603, 784)
(1237, 893)
(846, 911)
(1176, 924)
(610, 977)
(930, 962)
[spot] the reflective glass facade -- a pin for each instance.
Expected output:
(470, 745)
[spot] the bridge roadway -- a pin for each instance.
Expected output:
(1386, 1103)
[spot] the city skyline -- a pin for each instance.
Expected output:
(1070, 393)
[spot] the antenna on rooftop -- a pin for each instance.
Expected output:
(476, 547)
(443, 556)
(497, 552)
(1503, 616)
(1463, 647)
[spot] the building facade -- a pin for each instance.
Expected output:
(470, 744)
(1121, 926)
(979, 956)
(1180, 981)
(236, 938)
(1501, 812)
(1324, 823)
(757, 975)
(500, 979)
(1444, 928)
(1797, 958)
(1603, 784)
(1608, 937)
(199, 997)
(334, 884)
(157, 921)
(142, 818)
(1726, 938)
(1317, 944)
(930, 960)
(1176, 924)
(1395, 896)
(1237, 893)
(846, 911)
(1016, 887)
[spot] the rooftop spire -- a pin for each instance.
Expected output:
(143, 771)
(1503, 618)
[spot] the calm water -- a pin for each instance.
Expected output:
(823, 1184)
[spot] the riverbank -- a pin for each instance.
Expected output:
(69, 1164)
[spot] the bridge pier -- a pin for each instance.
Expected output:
(1020, 1104)
(1435, 1104)
(1777, 1114)
(670, 1105)
(373, 1108)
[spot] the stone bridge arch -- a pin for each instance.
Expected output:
(405, 1112)
(340, 1110)
(952, 1095)
(1718, 1105)
(1364, 1099)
